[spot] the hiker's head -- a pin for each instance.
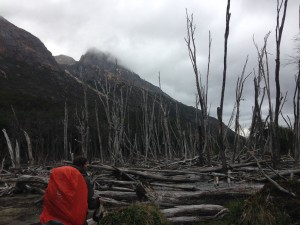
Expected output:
(80, 161)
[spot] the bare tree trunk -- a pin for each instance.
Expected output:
(115, 107)
(83, 127)
(29, 146)
(10, 148)
(86, 123)
(258, 126)
(238, 95)
(167, 140)
(279, 30)
(148, 120)
(17, 150)
(66, 132)
(296, 117)
(99, 135)
(220, 109)
(202, 90)
(165, 126)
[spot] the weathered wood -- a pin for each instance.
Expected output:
(10, 148)
(191, 219)
(280, 173)
(106, 188)
(17, 151)
(184, 210)
(118, 195)
(280, 188)
(177, 186)
(29, 146)
(26, 179)
(184, 179)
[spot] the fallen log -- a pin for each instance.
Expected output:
(118, 195)
(26, 179)
(177, 186)
(187, 210)
(184, 179)
(128, 184)
(281, 173)
(192, 219)
(279, 187)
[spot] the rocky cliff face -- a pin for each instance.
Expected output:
(20, 45)
(64, 60)
(97, 66)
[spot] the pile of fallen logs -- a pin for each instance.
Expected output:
(184, 194)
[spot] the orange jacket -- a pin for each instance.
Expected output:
(66, 197)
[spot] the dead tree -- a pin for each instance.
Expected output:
(279, 30)
(17, 152)
(99, 134)
(164, 119)
(296, 101)
(119, 110)
(220, 109)
(166, 132)
(238, 97)
(65, 122)
(258, 125)
(83, 126)
(201, 88)
(148, 110)
(104, 96)
(29, 147)
(115, 107)
(10, 148)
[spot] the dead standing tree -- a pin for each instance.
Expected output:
(99, 133)
(83, 127)
(65, 122)
(279, 30)
(296, 101)
(220, 109)
(201, 89)
(115, 107)
(148, 110)
(257, 126)
(238, 96)
(164, 120)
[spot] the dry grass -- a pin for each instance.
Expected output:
(136, 214)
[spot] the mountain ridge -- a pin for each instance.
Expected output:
(99, 96)
(22, 46)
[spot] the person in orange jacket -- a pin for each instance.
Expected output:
(69, 195)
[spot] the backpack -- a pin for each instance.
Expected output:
(66, 197)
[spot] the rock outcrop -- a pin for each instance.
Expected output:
(20, 45)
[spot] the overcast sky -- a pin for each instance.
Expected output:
(148, 36)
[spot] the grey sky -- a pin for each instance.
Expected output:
(148, 36)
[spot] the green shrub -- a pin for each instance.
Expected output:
(235, 208)
(136, 214)
(261, 209)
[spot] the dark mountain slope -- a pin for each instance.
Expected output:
(33, 92)
(22, 46)
(123, 117)
(95, 67)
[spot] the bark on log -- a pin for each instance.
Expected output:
(187, 179)
(185, 187)
(26, 179)
(184, 210)
(118, 195)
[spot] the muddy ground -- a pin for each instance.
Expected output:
(20, 209)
